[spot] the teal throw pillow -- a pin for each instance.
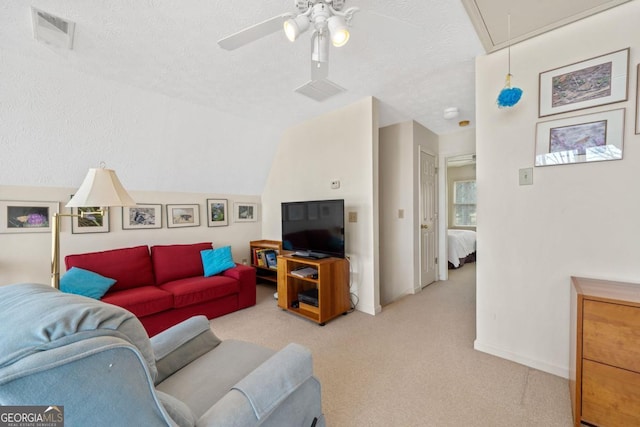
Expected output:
(84, 282)
(217, 260)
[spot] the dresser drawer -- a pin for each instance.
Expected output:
(610, 396)
(611, 334)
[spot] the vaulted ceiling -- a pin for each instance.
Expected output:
(415, 56)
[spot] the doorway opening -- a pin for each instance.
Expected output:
(461, 204)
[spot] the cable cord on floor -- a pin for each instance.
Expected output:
(353, 298)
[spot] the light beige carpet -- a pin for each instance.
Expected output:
(412, 365)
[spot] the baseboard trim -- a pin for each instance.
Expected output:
(561, 371)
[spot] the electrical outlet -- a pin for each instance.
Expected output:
(335, 184)
(353, 216)
(400, 213)
(244, 261)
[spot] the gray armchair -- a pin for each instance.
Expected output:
(96, 360)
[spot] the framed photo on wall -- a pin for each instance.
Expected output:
(246, 212)
(26, 217)
(183, 215)
(587, 138)
(217, 213)
(89, 220)
(596, 81)
(142, 216)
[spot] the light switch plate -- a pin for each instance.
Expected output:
(526, 176)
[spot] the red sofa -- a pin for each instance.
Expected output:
(166, 285)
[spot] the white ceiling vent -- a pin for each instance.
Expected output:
(320, 90)
(52, 29)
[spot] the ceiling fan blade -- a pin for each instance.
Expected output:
(254, 32)
(319, 70)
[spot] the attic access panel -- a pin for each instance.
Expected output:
(528, 18)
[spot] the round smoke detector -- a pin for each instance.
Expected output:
(451, 113)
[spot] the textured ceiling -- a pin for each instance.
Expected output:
(415, 56)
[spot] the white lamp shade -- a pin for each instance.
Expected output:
(339, 32)
(101, 188)
(296, 26)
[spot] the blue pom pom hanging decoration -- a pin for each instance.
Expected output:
(509, 96)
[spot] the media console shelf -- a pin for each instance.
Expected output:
(263, 272)
(332, 283)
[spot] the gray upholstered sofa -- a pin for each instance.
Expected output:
(96, 360)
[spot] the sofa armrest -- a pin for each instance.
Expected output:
(279, 376)
(247, 277)
(281, 391)
(181, 344)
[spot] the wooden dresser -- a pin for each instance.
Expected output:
(604, 372)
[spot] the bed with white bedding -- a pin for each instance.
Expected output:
(462, 247)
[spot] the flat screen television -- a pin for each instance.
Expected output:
(314, 229)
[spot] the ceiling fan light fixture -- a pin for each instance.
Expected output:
(338, 29)
(320, 52)
(293, 27)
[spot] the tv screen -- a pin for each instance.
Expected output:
(314, 229)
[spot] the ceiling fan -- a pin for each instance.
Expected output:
(329, 23)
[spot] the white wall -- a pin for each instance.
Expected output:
(55, 123)
(341, 145)
(574, 220)
(397, 257)
(26, 257)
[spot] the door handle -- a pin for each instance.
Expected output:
(424, 226)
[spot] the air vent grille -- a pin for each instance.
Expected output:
(52, 29)
(320, 90)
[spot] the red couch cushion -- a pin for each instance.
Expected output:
(195, 290)
(130, 267)
(141, 301)
(173, 262)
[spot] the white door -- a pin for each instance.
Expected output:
(428, 219)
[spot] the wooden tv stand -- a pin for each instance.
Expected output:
(332, 284)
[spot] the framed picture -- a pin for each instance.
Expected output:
(26, 217)
(89, 220)
(588, 138)
(217, 212)
(638, 100)
(142, 216)
(246, 212)
(183, 216)
(596, 81)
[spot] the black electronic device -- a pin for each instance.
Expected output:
(309, 297)
(314, 229)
